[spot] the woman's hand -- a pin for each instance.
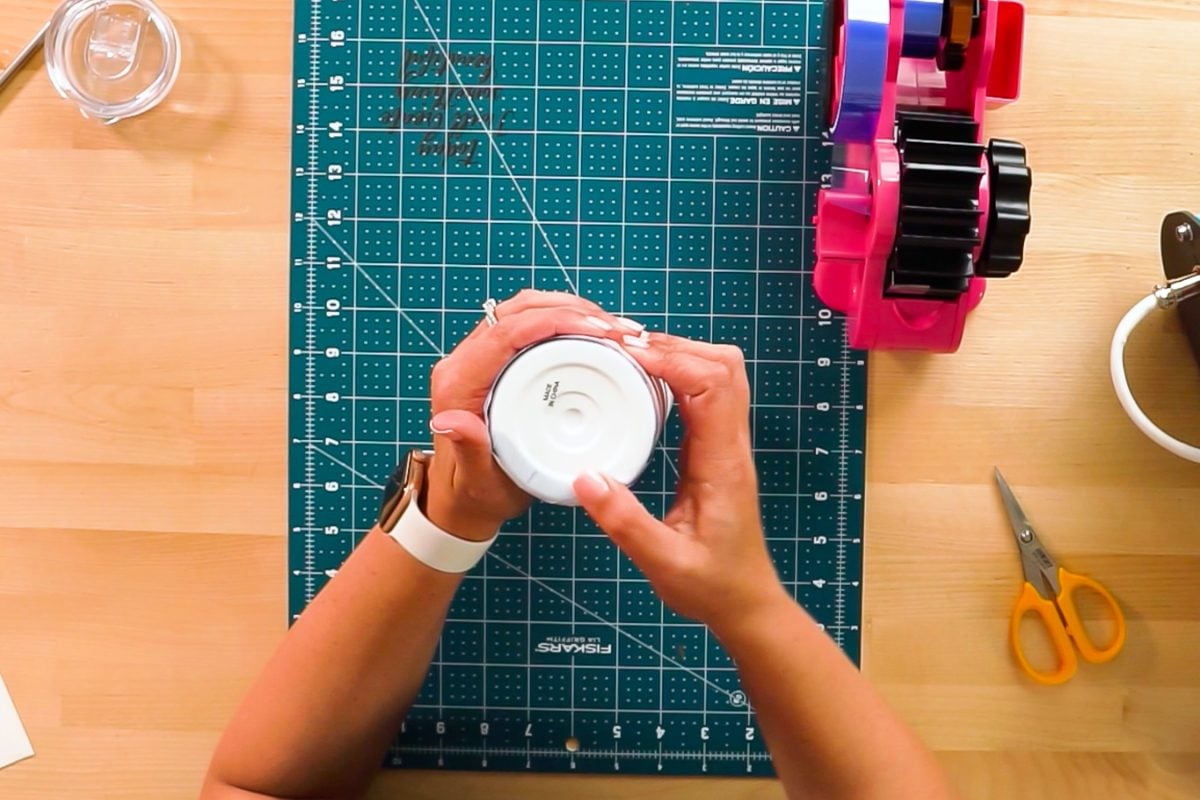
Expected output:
(468, 494)
(707, 559)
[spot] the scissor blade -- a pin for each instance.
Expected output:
(1016, 515)
(27, 52)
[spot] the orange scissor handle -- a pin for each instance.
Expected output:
(1069, 583)
(1030, 602)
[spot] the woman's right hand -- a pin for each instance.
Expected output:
(707, 558)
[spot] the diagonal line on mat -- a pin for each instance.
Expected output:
(356, 473)
(378, 485)
(350, 260)
(612, 625)
(516, 185)
(494, 145)
(383, 293)
(508, 170)
(341, 463)
(550, 589)
(662, 445)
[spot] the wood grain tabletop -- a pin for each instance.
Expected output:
(142, 445)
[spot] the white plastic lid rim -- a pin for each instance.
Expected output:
(572, 404)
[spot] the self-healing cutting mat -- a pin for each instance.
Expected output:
(659, 157)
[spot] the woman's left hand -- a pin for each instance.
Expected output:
(468, 494)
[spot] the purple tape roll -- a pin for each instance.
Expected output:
(858, 50)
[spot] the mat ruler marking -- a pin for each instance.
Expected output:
(605, 753)
(310, 334)
(839, 610)
(662, 611)
(354, 275)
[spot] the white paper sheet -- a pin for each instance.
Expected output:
(14, 742)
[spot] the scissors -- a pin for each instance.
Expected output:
(1049, 594)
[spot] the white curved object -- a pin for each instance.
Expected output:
(1129, 322)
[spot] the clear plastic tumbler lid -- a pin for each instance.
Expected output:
(113, 58)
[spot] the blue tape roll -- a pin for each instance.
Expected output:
(864, 64)
(922, 28)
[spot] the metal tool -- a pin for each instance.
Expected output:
(22, 58)
(1049, 594)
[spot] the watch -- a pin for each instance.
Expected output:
(401, 518)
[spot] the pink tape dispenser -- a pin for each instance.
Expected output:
(918, 211)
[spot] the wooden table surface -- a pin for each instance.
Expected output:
(142, 445)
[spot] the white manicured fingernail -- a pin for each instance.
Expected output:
(640, 342)
(596, 322)
(596, 480)
(439, 431)
(632, 324)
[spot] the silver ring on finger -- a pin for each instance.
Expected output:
(489, 312)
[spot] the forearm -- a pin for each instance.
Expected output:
(320, 716)
(829, 732)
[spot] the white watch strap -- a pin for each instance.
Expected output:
(432, 546)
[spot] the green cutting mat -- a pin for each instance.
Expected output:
(660, 157)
